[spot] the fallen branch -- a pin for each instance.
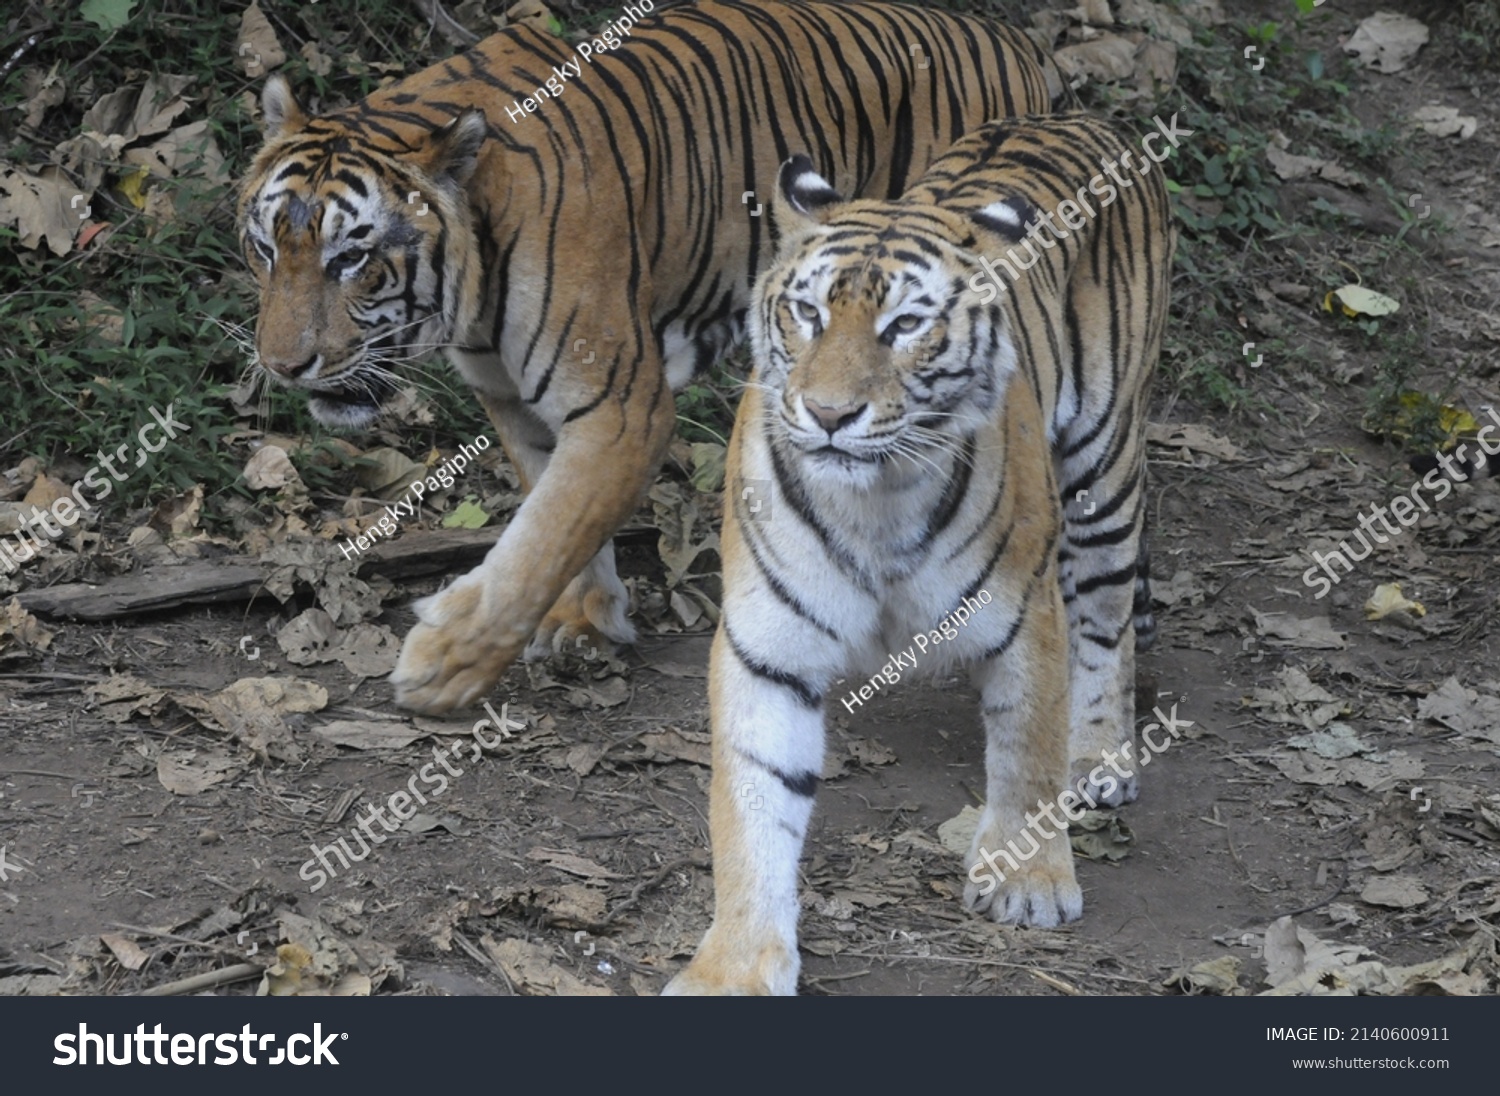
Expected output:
(240, 972)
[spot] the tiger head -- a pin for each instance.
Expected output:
(874, 353)
(362, 243)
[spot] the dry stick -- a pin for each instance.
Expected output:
(648, 884)
(53, 675)
(993, 963)
(484, 959)
(240, 972)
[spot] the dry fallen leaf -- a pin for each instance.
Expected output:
(1107, 58)
(1387, 41)
(1190, 437)
(126, 951)
(1213, 976)
(1387, 599)
(191, 772)
(530, 968)
(257, 50)
(1400, 892)
(21, 634)
(1314, 633)
(1441, 121)
(571, 863)
(45, 206)
(1464, 710)
(369, 734)
(252, 710)
(125, 696)
(957, 834)
(269, 468)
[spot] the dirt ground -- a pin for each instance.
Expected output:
(1334, 771)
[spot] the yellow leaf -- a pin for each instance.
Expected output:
(466, 515)
(1356, 300)
(133, 184)
(1387, 599)
(1414, 413)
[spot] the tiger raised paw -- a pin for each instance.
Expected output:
(898, 476)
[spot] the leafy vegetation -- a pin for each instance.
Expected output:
(156, 310)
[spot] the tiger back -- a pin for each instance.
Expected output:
(934, 470)
(579, 231)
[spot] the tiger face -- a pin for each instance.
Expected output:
(355, 277)
(874, 350)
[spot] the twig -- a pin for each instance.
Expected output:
(648, 884)
(1056, 983)
(53, 676)
(240, 972)
(449, 27)
(990, 963)
(484, 959)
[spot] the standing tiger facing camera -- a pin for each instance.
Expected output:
(580, 233)
(907, 485)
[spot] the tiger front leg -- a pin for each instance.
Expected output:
(592, 613)
(767, 760)
(1021, 862)
(468, 635)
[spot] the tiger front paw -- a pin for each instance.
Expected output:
(1012, 888)
(723, 970)
(451, 658)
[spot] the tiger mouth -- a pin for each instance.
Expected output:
(354, 399)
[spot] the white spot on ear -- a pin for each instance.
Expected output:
(1005, 213)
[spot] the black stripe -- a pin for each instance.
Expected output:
(808, 696)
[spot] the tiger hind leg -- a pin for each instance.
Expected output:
(1102, 588)
(1020, 868)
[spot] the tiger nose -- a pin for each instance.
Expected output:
(290, 368)
(833, 419)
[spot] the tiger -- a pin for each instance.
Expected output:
(579, 234)
(929, 471)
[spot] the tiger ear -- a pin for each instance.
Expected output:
(1010, 217)
(279, 108)
(805, 193)
(803, 198)
(452, 152)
